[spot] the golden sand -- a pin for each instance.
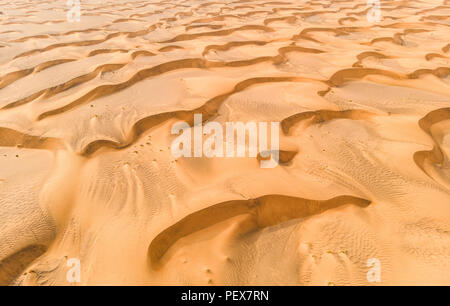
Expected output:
(86, 170)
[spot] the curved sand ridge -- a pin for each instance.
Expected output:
(86, 110)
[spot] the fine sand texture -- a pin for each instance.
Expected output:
(87, 173)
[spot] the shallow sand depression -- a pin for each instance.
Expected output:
(87, 172)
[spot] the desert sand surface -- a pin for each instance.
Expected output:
(87, 173)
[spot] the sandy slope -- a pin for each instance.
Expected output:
(86, 171)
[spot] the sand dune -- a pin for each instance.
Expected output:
(87, 172)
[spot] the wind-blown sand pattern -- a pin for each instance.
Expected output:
(86, 169)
